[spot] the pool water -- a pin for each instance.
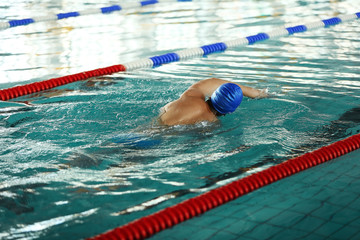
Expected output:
(319, 203)
(87, 157)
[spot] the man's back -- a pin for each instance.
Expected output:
(190, 108)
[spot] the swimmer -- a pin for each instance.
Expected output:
(193, 106)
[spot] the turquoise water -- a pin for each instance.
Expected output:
(65, 169)
(320, 203)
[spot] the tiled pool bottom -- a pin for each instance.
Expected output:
(319, 203)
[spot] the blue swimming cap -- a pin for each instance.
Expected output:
(227, 98)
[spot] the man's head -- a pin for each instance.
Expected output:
(226, 98)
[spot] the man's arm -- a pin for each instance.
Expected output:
(208, 86)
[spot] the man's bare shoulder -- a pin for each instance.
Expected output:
(188, 109)
(193, 93)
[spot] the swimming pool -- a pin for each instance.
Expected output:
(63, 175)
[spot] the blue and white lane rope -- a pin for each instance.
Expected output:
(14, 92)
(103, 10)
(222, 46)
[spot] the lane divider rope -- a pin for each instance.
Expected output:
(171, 216)
(182, 55)
(35, 87)
(103, 10)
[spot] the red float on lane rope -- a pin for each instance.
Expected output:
(18, 91)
